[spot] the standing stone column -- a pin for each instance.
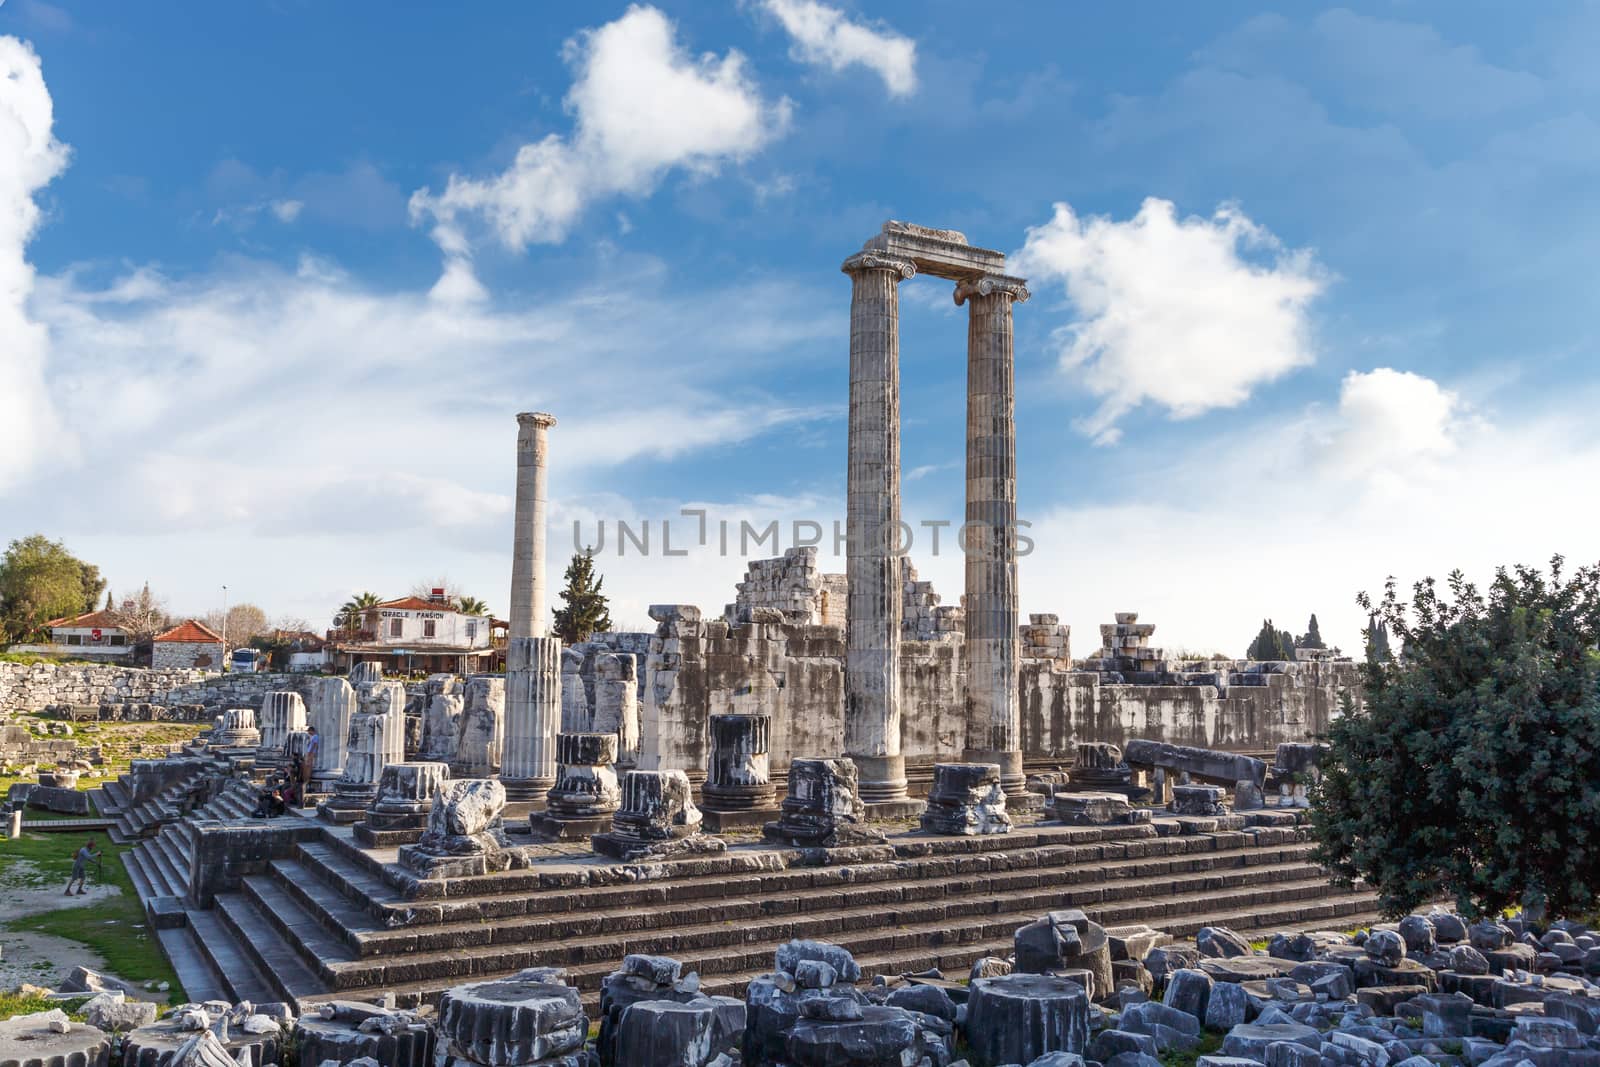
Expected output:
(333, 704)
(616, 704)
(872, 656)
(282, 713)
(527, 543)
(533, 711)
(481, 729)
(994, 715)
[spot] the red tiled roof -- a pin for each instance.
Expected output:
(417, 603)
(105, 620)
(190, 632)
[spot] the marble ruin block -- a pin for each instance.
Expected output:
(739, 776)
(365, 673)
(406, 794)
(511, 1022)
(333, 705)
(464, 835)
(616, 704)
(586, 778)
(1091, 809)
(1017, 1018)
(481, 729)
(1213, 764)
(657, 817)
(1198, 800)
(282, 713)
(576, 714)
(533, 711)
(376, 738)
(823, 808)
(237, 729)
(441, 727)
(966, 798)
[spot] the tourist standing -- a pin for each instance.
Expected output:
(80, 867)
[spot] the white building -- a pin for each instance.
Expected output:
(92, 635)
(420, 633)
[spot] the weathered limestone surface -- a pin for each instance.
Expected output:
(616, 704)
(441, 727)
(237, 729)
(511, 1022)
(657, 816)
(527, 549)
(740, 775)
(586, 781)
(533, 710)
(994, 725)
(824, 807)
(872, 658)
(482, 729)
(464, 835)
(333, 705)
(282, 713)
(966, 798)
(1017, 1018)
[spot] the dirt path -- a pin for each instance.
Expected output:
(42, 959)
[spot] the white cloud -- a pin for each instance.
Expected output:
(287, 210)
(1173, 311)
(642, 106)
(1400, 477)
(824, 37)
(30, 158)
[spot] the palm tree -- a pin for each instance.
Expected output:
(471, 605)
(353, 612)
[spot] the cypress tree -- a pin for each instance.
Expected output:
(585, 609)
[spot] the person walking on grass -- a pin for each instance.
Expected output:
(80, 867)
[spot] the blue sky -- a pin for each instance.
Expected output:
(1313, 288)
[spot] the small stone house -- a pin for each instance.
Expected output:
(92, 635)
(188, 644)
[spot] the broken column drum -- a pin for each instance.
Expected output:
(657, 808)
(333, 705)
(511, 1022)
(966, 798)
(739, 777)
(282, 713)
(465, 834)
(405, 794)
(481, 729)
(377, 738)
(237, 729)
(441, 727)
(823, 807)
(616, 704)
(586, 783)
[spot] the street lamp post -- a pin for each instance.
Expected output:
(224, 623)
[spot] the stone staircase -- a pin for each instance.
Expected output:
(338, 920)
(134, 821)
(159, 865)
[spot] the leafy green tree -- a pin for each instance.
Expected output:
(39, 581)
(1377, 638)
(586, 610)
(1271, 643)
(1473, 765)
(471, 605)
(1312, 638)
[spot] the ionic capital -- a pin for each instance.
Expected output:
(989, 285)
(535, 418)
(878, 261)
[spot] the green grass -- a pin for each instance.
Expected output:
(1210, 1041)
(115, 928)
(12, 1004)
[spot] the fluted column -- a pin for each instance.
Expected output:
(533, 712)
(527, 544)
(994, 718)
(872, 656)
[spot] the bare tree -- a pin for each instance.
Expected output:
(142, 617)
(244, 622)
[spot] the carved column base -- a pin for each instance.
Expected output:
(1012, 779)
(531, 791)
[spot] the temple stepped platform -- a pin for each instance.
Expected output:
(336, 920)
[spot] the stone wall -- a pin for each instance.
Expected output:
(187, 654)
(35, 686)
